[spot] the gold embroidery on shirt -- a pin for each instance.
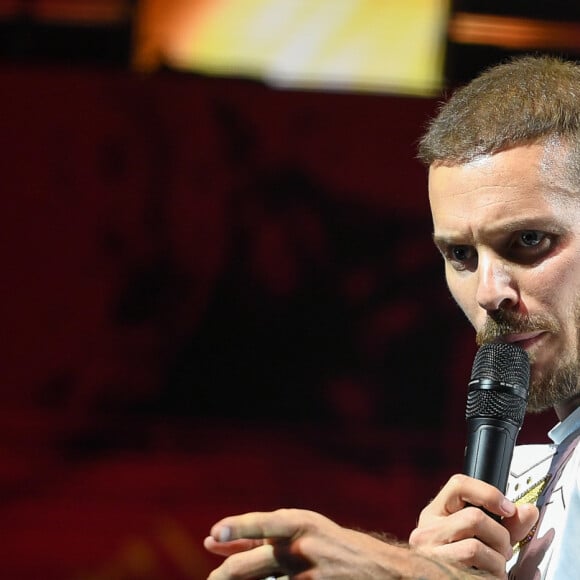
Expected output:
(531, 496)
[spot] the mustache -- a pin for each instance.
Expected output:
(500, 323)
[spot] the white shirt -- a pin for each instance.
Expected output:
(549, 476)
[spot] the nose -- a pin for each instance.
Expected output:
(496, 288)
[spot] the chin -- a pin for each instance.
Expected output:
(557, 387)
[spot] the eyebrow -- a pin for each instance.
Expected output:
(540, 223)
(446, 241)
(530, 223)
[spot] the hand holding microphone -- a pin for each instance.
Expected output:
(496, 404)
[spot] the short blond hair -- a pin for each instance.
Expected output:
(530, 99)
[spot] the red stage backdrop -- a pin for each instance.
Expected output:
(216, 298)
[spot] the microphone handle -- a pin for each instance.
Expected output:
(489, 450)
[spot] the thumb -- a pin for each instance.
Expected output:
(521, 523)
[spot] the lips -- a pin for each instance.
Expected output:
(520, 337)
(524, 339)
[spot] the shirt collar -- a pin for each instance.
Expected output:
(564, 428)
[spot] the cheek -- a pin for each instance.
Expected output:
(556, 289)
(463, 295)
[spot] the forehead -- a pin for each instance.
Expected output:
(517, 185)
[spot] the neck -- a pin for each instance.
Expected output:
(564, 409)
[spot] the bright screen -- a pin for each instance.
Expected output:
(355, 45)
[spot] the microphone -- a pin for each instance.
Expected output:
(496, 404)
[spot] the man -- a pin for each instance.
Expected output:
(504, 188)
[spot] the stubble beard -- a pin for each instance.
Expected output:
(559, 382)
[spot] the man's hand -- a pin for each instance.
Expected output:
(451, 528)
(304, 545)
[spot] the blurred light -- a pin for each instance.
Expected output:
(481, 34)
(368, 45)
(71, 11)
(513, 32)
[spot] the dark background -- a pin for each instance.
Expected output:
(216, 297)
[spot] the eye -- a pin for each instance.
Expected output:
(461, 257)
(530, 238)
(529, 246)
(460, 253)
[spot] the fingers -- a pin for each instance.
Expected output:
(451, 527)
(260, 544)
(522, 522)
(257, 563)
(457, 543)
(229, 548)
(469, 523)
(471, 553)
(280, 524)
(462, 490)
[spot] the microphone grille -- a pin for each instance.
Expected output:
(500, 381)
(506, 363)
(496, 405)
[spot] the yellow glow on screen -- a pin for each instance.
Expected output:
(394, 46)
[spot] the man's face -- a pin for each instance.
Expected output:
(509, 231)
